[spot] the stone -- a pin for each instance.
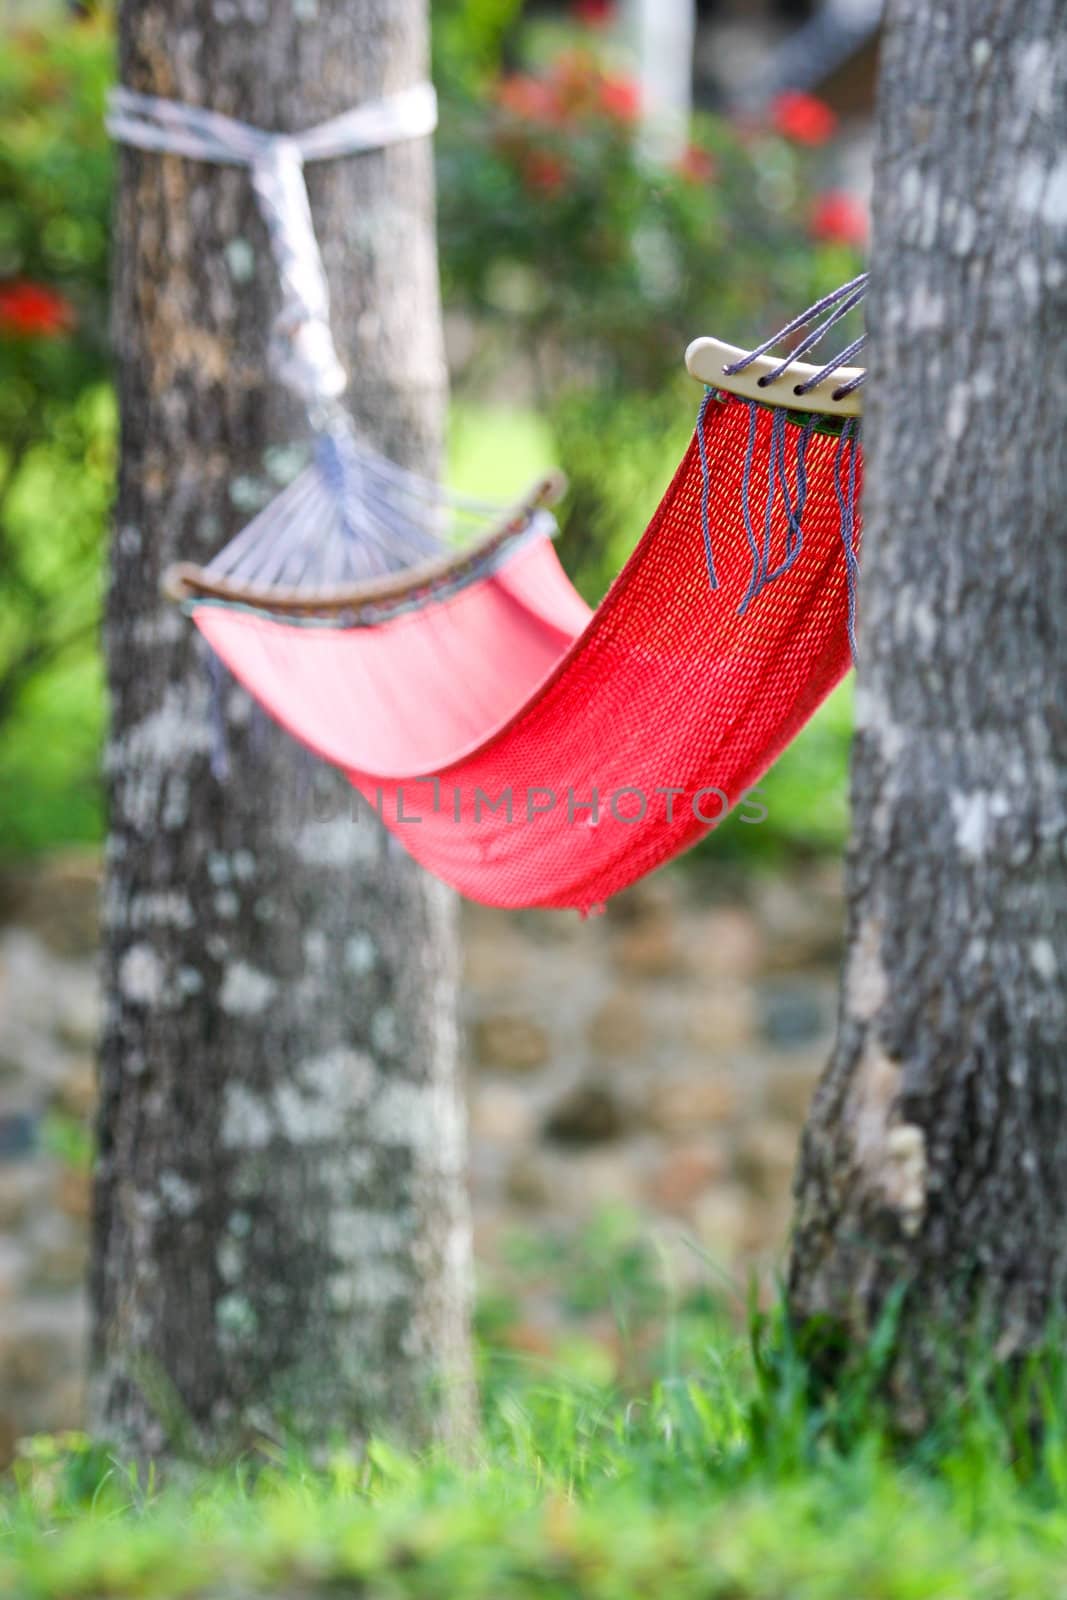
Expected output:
(79, 1011)
(26, 1361)
(686, 1172)
(60, 1266)
(18, 1134)
(790, 1088)
(32, 985)
(683, 1103)
(601, 1180)
(617, 1027)
(531, 1181)
(542, 930)
(23, 1187)
(647, 948)
(720, 1219)
(590, 1114)
(76, 1094)
(493, 954)
(765, 1157)
(803, 919)
(794, 1014)
(722, 1018)
(654, 896)
(13, 1267)
(58, 900)
(766, 1228)
(725, 942)
(59, 1251)
(511, 1043)
(488, 1234)
(501, 1115)
(658, 1060)
(74, 1193)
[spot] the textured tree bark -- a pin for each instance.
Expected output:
(281, 1240)
(935, 1158)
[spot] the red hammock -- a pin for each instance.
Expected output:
(562, 754)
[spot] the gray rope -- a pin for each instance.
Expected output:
(800, 321)
(846, 503)
(302, 346)
(817, 334)
(837, 303)
(832, 366)
(705, 488)
(153, 123)
(746, 508)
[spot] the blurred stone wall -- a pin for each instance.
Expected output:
(658, 1058)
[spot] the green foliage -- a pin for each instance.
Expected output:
(590, 269)
(57, 426)
(468, 41)
(55, 186)
(724, 1472)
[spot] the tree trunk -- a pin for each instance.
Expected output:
(935, 1159)
(281, 1240)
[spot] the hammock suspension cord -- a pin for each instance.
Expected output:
(838, 303)
(353, 516)
(303, 351)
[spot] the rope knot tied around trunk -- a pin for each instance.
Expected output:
(302, 349)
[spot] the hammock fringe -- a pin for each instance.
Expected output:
(778, 492)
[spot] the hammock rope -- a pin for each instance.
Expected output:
(838, 303)
(353, 516)
(427, 642)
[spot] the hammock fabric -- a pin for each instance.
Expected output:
(533, 754)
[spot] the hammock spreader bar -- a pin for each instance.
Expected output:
(524, 749)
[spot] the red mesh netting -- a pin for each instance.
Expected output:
(509, 688)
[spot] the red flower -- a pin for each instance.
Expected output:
(544, 172)
(839, 218)
(620, 98)
(594, 13)
(803, 118)
(575, 89)
(697, 165)
(529, 98)
(33, 311)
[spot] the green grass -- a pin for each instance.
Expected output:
(494, 453)
(701, 1467)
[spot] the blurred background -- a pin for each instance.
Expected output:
(636, 1083)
